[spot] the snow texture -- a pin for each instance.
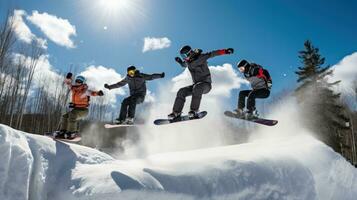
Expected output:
(38, 168)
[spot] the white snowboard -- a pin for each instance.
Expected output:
(118, 125)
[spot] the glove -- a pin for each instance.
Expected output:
(107, 86)
(178, 60)
(69, 75)
(162, 74)
(100, 93)
(229, 51)
(269, 85)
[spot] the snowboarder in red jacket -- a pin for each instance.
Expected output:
(261, 83)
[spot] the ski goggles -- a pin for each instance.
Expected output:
(131, 72)
(186, 55)
(79, 81)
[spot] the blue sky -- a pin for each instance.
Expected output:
(267, 32)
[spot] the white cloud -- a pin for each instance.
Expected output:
(151, 43)
(56, 29)
(97, 76)
(346, 71)
(224, 79)
(44, 75)
(23, 32)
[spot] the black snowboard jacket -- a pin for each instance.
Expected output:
(137, 84)
(198, 65)
(258, 77)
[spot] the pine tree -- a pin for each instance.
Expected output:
(321, 106)
(312, 69)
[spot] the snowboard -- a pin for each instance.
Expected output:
(179, 119)
(267, 122)
(118, 125)
(74, 140)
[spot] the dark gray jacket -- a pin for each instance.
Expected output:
(198, 66)
(137, 84)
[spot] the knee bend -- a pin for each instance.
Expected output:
(181, 94)
(242, 94)
(125, 101)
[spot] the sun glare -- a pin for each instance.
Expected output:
(113, 15)
(113, 6)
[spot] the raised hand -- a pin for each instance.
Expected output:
(107, 86)
(229, 51)
(69, 75)
(100, 93)
(177, 59)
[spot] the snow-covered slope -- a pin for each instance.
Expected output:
(36, 167)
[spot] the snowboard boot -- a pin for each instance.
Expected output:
(129, 121)
(59, 134)
(71, 135)
(239, 112)
(193, 114)
(119, 121)
(173, 115)
(251, 115)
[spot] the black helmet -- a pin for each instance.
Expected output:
(185, 51)
(243, 63)
(132, 67)
(131, 71)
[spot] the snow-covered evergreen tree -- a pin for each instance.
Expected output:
(321, 105)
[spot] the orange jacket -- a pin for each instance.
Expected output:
(80, 94)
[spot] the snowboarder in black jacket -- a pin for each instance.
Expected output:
(196, 62)
(261, 84)
(137, 86)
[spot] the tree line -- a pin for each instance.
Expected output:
(24, 104)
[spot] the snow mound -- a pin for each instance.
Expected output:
(38, 168)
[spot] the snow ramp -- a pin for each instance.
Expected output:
(39, 168)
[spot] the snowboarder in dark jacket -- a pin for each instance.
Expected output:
(137, 86)
(261, 84)
(196, 62)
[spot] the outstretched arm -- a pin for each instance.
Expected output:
(68, 80)
(150, 77)
(95, 93)
(219, 52)
(116, 85)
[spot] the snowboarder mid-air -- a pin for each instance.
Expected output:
(196, 62)
(137, 86)
(79, 106)
(261, 84)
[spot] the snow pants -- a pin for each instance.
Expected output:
(196, 90)
(252, 95)
(128, 106)
(70, 120)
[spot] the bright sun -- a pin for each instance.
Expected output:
(115, 14)
(113, 6)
